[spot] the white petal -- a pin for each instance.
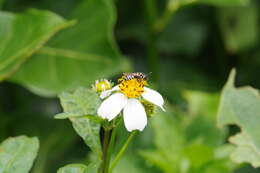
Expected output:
(134, 115)
(153, 97)
(112, 106)
(107, 93)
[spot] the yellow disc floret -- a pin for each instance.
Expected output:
(132, 87)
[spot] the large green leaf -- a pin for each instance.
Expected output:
(77, 56)
(23, 34)
(240, 106)
(17, 154)
(233, 21)
(83, 102)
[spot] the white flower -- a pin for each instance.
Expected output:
(127, 99)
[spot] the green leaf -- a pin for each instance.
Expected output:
(245, 151)
(71, 115)
(84, 102)
(80, 168)
(199, 154)
(233, 22)
(160, 160)
(73, 168)
(219, 3)
(77, 56)
(169, 138)
(89, 131)
(202, 103)
(17, 154)
(24, 34)
(240, 106)
(225, 2)
(66, 115)
(219, 166)
(130, 164)
(168, 134)
(202, 123)
(189, 141)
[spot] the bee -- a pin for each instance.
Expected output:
(135, 75)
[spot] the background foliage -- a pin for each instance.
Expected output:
(48, 47)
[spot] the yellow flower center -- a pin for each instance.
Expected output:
(132, 88)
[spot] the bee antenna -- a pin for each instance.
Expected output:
(148, 74)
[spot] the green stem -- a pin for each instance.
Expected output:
(122, 151)
(161, 23)
(105, 157)
(152, 51)
(171, 8)
(111, 145)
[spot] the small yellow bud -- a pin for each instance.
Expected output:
(102, 85)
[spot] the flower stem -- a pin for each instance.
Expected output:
(111, 145)
(122, 151)
(106, 156)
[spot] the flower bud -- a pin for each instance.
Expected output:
(102, 85)
(149, 108)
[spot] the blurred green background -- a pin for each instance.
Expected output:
(189, 46)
